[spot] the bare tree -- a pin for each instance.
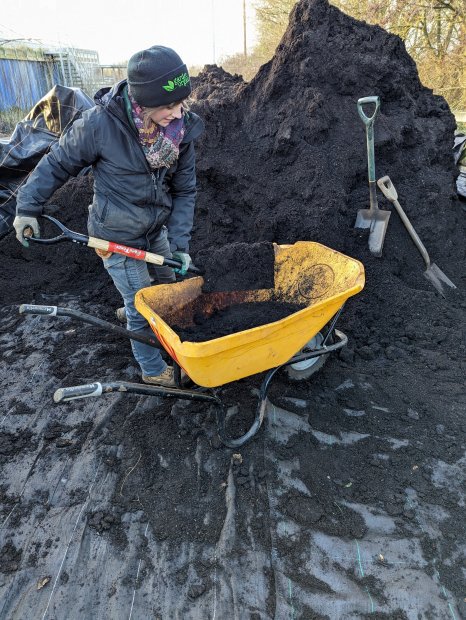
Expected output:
(272, 20)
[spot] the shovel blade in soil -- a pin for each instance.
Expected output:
(377, 232)
(377, 221)
(364, 218)
(436, 276)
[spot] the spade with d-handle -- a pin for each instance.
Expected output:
(432, 272)
(106, 246)
(372, 218)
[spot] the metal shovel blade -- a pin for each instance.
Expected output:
(364, 218)
(377, 221)
(436, 276)
(377, 232)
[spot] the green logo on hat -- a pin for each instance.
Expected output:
(180, 80)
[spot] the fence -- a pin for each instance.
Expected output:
(24, 82)
(27, 75)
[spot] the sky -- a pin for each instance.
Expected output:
(201, 31)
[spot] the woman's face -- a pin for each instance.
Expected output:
(166, 114)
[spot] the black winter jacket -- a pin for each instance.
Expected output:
(131, 202)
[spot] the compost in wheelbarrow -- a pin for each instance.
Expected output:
(306, 273)
(222, 321)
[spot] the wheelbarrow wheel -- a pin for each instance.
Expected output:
(304, 370)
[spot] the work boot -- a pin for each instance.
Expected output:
(165, 379)
(121, 314)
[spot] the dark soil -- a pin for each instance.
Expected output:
(378, 434)
(237, 267)
(235, 318)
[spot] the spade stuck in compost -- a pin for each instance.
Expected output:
(433, 273)
(372, 218)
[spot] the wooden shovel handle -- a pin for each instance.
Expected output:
(148, 257)
(387, 188)
(118, 248)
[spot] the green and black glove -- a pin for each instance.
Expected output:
(185, 261)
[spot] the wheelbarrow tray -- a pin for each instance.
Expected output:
(305, 273)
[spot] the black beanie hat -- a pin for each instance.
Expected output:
(157, 77)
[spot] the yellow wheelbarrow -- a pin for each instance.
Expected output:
(306, 273)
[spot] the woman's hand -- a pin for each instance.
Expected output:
(185, 261)
(103, 253)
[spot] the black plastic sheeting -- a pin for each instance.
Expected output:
(51, 117)
(64, 498)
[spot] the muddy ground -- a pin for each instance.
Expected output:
(349, 503)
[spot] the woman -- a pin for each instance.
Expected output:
(139, 140)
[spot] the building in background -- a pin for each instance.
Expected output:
(29, 69)
(111, 74)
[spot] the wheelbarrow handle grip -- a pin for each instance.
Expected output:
(387, 188)
(364, 100)
(63, 395)
(123, 387)
(33, 309)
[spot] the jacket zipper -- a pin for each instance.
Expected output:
(154, 177)
(155, 180)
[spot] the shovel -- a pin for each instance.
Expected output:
(106, 246)
(372, 218)
(432, 272)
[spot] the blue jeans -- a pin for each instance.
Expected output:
(129, 276)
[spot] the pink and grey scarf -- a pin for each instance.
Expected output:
(161, 145)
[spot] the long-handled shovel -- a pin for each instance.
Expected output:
(432, 272)
(372, 218)
(108, 246)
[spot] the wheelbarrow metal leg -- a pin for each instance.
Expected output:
(232, 442)
(342, 340)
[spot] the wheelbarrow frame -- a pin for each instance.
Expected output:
(202, 394)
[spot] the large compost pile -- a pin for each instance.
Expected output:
(350, 502)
